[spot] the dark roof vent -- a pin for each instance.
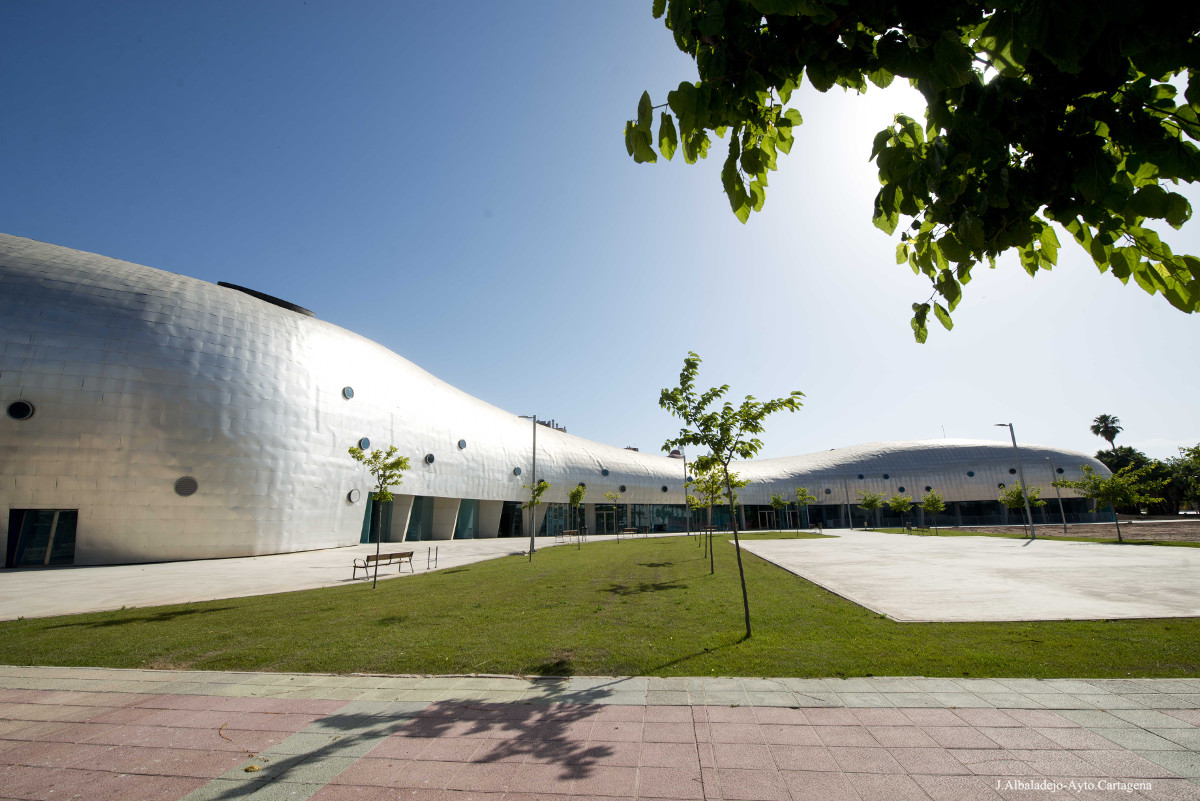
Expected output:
(280, 302)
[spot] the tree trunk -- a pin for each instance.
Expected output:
(376, 524)
(737, 547)
(1118, 522)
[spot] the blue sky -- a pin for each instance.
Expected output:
(451, 181)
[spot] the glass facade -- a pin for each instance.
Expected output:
(41, 537)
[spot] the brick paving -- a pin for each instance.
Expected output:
(123, 734)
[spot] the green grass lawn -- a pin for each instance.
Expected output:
(638, 607)
(1043, 533)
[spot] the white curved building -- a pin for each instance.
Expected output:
(154, 417)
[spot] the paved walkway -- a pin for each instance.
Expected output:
(921, 578)
(134, 734)
(69, 590)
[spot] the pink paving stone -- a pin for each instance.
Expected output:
(1076, 738)
(742, 755)
(845, 735)
(821, 716)
(1170, 790)
(704, 752)
(731, 714)
(620, 712)
(668, 732)
(181, 762)
(886, 787)
(606, 781)
(617, 731)
(700, 714)
(452, 750)
(933, 717)
(549, 752)
(394, 747)
(901, 737)
(780, 716)
(124, 787)
(1017, 738)
(712, 785)
(75, 714)
(790, 735)
(807, 786)
(611, 754)
(478, 777)
(986, 717)
(335, 792)
(931, 761)
(540, 779)
(958, 788)
(64, 783)
(501, 751)
(670, 783)
(1040, 718)
(992, 762)
(752, 785)
(803, 758)
(129, 714)
(1054, 763)
(735, 733)
(1191, 716)
(1123, 764)
(374, 772)
(865, 760)
(703, 732)
(959, 737)
(668, 714)
(56, 732)
(669, 755)
(24, 781)
(881, 717)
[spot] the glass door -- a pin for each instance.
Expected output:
(41, 537)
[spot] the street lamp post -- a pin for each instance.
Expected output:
(1058, 492)
(849, 515)
(532, 483)
(1021, 476)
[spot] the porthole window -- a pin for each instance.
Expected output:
(604, 472)
(185, 486)
(364, 443)
(1058, 470)
(1012, 471)
(347, 392)
(901, 489)
(621, 488)
(516, 471)
(353, 495)
(583, 485)
(861, 476)
(1000, 485)
(429, 458)
(828, 491)
(970, 474)
(664, 488)
(886, 476)
(928, 489)
(462, 444)
(20, 410)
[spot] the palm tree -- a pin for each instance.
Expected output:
(1107, 426)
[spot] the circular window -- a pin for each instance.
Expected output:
(828, 491)
(20, 410)
(886, 476)
(1012, 471)
(516, 471)
(604, 472)
(901, 489)
(462, 444)
(429, 458)
(1000, 485)
(347, 392)
(1058, 470)
(583, 485)
(928, 489)
(364, 443)
(621, 488)
(353, 495)
(860, 475)
(970, 474)
(186, 486)
(664, 488)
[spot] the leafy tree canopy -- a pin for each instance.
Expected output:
(577, 494)
(870, 500)
(1038, 112)
(1014, 497)
(934, 503)
(1107, 426)
(386, 469)
(900, 504)
(1127, 487)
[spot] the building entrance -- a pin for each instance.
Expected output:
(41, 537)
(606, 522)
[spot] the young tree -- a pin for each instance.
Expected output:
(1037, 114)
(1014, 498)
(1188, 469)
(1126, 487)
(387, 470)
(536, 491)
(870, 502)
(575, 498)
(710, 483)
(726, 431)
(779, 504)
(933, 504)
(1107, 426)
(806, 499)
(900, 504)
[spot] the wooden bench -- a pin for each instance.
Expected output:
(566, 535)
(397, 558)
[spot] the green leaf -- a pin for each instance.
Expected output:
(644, 112)
(920, 329)
(1179, 210)
(668, 140)
(1151, 201)
(943, 316)
(658, 7)
(881, 78)
(643, 151)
